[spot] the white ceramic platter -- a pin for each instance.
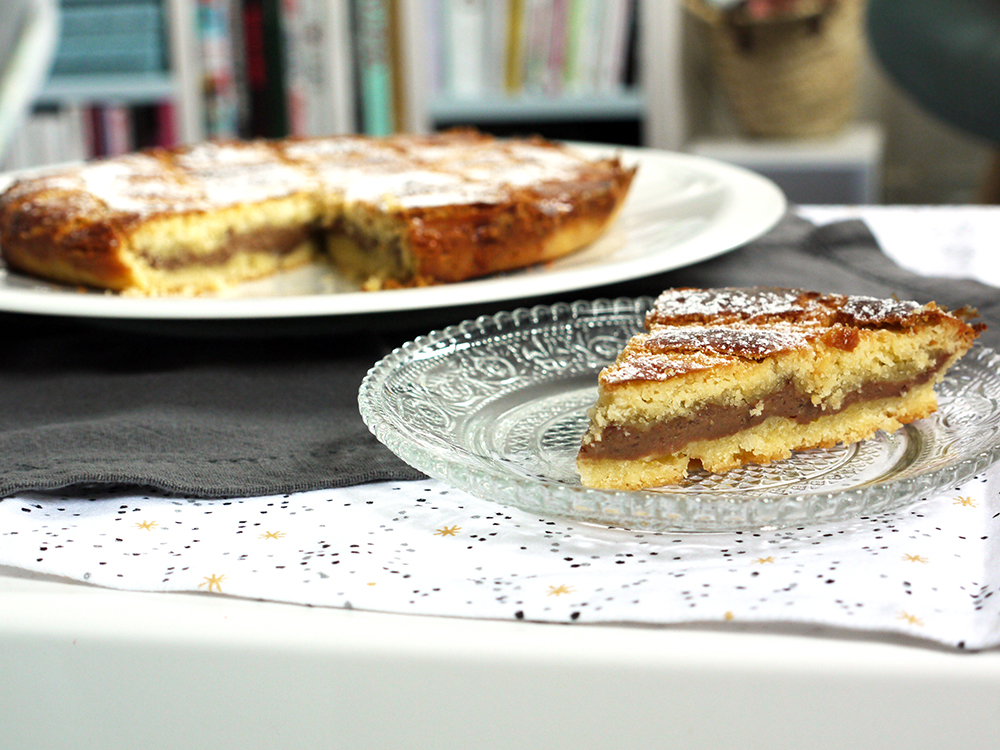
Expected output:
(681, 210)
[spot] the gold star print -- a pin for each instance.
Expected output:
(448, 531)
(910, 619)
(729, 616)
(763, 560)
(213, 582)
(272, 535)
(966, 502)
(147, 525)
(559, 590)
(914, 558)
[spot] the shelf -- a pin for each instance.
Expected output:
(179, 84)
(658, 104)
(131, 88)
(620, 105)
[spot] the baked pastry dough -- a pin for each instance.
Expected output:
(726, 377)
(400, 211)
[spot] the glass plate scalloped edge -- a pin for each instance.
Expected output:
(452, 402)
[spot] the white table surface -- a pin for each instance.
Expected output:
(84, 667)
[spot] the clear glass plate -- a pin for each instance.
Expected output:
(497, 407)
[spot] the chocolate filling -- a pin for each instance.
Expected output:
(270, 240)
(367, 241)
(714, 421)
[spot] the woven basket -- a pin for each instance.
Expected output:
(789, 76)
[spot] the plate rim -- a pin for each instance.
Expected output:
(907, 488)
(737, 226)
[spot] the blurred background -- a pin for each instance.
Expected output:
(796, 95)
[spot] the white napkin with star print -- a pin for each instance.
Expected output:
(928, 570)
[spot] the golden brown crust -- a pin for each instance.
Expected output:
(44, 235)
(460, 205)
(691, 330)
(85, 225)
(453, 243)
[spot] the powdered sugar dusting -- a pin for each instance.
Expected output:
(752, 342)
(232, 173)
(395, 172)
(428, 172)
(648, 365)
(679, 306)
(741, 304)
(867, 310)
(138, 184)
(691, 329)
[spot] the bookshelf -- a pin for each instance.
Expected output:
(177, 80)
(653, 99)
(322, 74)
(200, 75)
(129, 88)
(624, 104)
(126, 75)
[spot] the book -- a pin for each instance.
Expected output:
(537, 33)
(110, 130)
(301, 74)
(495, 47)
(266, 92)
(514, 67)
(555, 71)
(612, 45)
(375, 66)
(49, 135)
(219, 93)
(583, 25)
(466, 46)
(320, 67)
(533, 48)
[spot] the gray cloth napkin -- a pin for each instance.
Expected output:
(204, 417)
(234, 416)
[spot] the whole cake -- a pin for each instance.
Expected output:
(399, 211)
(726, 377)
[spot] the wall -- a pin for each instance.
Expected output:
(927, 161)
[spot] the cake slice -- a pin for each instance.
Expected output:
(725, 377)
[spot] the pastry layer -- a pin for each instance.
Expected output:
(715, 421)
(772, 440)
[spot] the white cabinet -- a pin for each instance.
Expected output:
(844, 168)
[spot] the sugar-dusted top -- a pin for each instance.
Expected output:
(437, 170)
(770, 304)
(697, 329)
(404, 171)
(747, 341)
